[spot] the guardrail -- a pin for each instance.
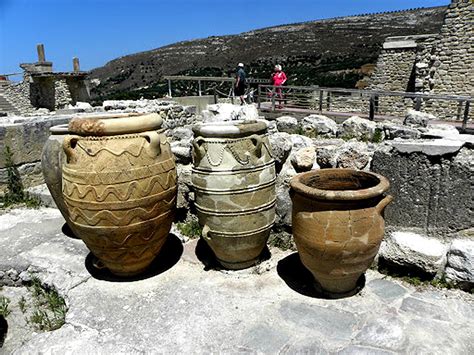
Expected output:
(315, 98)
(307, 97)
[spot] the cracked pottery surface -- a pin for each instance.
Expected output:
(266, 309)
(338, 224)
(234, 182)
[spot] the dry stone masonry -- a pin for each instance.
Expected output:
(437, 64)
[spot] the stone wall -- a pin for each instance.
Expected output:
(455, 50)
(18, 96)
(435, 64)
(62, 95)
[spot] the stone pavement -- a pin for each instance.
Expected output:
(184, 305)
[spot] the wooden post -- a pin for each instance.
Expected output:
(321, 94)
(371, 107)
(328, 101)
(199, 88)
(418, 103)
(466, 116)
(215, 95)
(169, 87)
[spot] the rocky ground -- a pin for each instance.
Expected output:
(185, 305)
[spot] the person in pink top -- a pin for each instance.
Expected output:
(278, 79)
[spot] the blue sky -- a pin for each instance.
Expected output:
(97, 31)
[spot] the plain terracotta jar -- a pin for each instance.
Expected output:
(233, 178)
(119, 186)
(338, 225)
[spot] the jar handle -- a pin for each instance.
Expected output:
(198, 147)
(383, 203)
(258, 143)
(154, 141)
(69, 145)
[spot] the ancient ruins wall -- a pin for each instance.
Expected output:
(19, 96)
(437, 64)
(455, 73)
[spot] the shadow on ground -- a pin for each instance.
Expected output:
(165, 260)
(67, 231)
(300, 279)
(207, 257)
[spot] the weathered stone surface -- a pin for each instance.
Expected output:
(353, 155)
(414, 250)
(434, 147)
(441, 130)
(304, 159)
(417, 119)
(387, 290)
(181, 144)
(298, 141)
(320, 126)
(287, 124)
(384, 333)
(356, 127)
(27, 137)
(281, 148)
(394, 130)
(430, 193)
(460, 266)
(161, 312)
(229, 112)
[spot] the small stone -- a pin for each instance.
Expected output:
(353, 155)
(318, 125)
(460, 267)
(281, 148)
(304, 159)
(417, 119)
(393, 130)
(356, 127)
(287, 124)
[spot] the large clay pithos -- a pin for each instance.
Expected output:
(234, 182)
(119, 186)
(338, 225)
(52, 159)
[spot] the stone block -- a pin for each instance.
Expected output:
(432, 193)
(460, 267)
(410, 249)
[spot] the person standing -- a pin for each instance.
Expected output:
(240, 83)
(278, 80)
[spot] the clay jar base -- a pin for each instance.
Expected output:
(325, 293)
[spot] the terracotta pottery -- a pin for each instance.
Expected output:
(52, 159)
(338, 224)
(119, 186)
(234, 182)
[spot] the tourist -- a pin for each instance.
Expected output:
(240, 83)
(278, 79)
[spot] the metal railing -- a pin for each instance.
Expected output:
(321, 99)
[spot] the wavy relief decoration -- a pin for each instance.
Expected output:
(80, 192)
(127, 218)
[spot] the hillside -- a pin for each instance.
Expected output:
(327, 52)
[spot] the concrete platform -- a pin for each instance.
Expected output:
(184, 305)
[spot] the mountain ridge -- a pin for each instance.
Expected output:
(312, 52)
